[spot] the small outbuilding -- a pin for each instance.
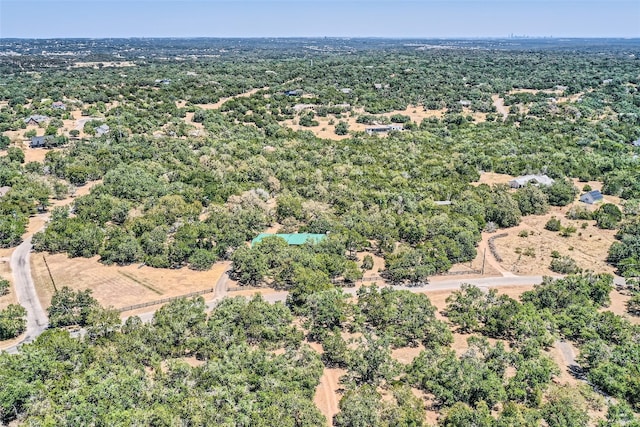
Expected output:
(59, 105)
(522, 181)
(591, 197)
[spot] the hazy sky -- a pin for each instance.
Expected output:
(309, 18)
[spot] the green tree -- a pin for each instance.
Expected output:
(70, 307)
(561, 192)
(13, 321)
(342, 128)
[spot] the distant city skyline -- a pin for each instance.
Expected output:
(316, 18)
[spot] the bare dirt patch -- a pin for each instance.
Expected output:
(498, 102)
(405, 355)
(326, 130)
(327, 395)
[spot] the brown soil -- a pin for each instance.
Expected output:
(327, 131)
(500, 107)
(587, 246)
(327, 397)
(405, 355)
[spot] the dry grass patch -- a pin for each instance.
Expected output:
(117, 286)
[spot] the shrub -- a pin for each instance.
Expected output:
(564, 265)
(4, 287)
(567, 231)
(579, 212)
(523, 233)
(553, 224)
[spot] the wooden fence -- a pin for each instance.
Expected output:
(165, 300)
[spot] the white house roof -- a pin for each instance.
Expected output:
(540, 179)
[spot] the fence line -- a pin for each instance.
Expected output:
(165, 300)
(492, 246)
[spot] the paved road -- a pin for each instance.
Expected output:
(25, 289)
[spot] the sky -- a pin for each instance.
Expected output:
(319, 18)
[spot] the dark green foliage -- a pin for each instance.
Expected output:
(138, 375)
(564, 265)
(4, 286)
(342, 128)
(532, 200)
(71, 308)
(4, 142)
(565, 408)
(404, 317)
(472, 379)
(13, 321)
(561, 192)
(364, 407)
(608, 216)
(503, 209)
(499, 316)
(553, 224)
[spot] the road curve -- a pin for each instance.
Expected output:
(25, 289)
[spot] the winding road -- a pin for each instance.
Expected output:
(37, 320)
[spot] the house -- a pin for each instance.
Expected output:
(295, 92)
(636, 143)
(591, 197)
(41, 141)
(522, 181)
(465, 103)
(4, 190)
(102, 129)
(59, 105)
(345, 90)
(35, 120)
(382, 129)
(292, 239)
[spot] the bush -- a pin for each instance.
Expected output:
(4, 287)
(523, 233)
(553, 224)
(564, 265)
(567, 231)
(579, 212)
(202, 259)
(13, 321)
(608, 216)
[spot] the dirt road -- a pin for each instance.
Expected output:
(25, 289)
